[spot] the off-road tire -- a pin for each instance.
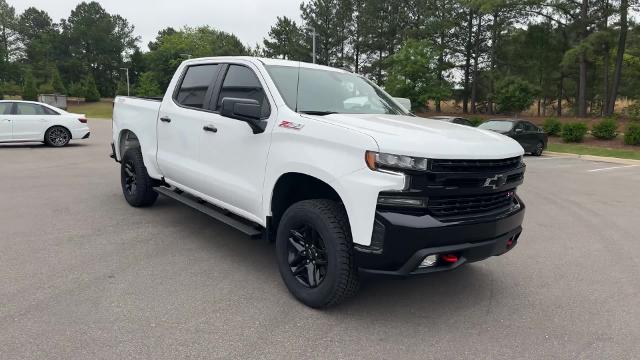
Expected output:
(341, 279)
(142, 193)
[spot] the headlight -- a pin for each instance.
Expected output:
(377, 161)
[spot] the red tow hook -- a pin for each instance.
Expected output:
(509, 243)
(450, 258)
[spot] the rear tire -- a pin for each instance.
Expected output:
(324, 266)
(539, 149)
(57, 136)
(137, 186)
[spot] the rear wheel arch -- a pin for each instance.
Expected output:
(127, 140)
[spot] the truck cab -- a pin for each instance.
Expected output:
(340, 175)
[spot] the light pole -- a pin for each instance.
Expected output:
(313, 34)
(127, 70)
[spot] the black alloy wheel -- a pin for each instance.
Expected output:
(307, 256)
(130, 183)
(539, 149)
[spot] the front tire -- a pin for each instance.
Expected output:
(137, 186)
(315, 253)
(57, 136)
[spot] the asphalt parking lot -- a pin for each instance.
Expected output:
(85, 276)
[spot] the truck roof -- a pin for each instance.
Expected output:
(268, 61)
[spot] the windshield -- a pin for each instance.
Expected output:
(495, 125)
(323, 92)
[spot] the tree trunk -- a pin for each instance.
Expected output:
(467, 64)
(474, 85)
(622, 40)
(494, 46)
(605, 64)
(560, 95)
(582, 80)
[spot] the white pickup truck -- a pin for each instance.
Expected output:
(326, 164)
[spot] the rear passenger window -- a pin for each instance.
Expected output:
(241, 82)
(5, 108)
(29, 109)
(195, 84)
(49, 111)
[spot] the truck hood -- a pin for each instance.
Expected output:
(416, 136)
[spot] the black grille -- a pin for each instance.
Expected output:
(453, 206)
(438, 165)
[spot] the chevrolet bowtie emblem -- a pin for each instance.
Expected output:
(496, 181)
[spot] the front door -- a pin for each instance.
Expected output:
(180, 125)
(233, 158)
(5, 121)
(29, 121)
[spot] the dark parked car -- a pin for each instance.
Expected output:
(532, 138)
(453, 119)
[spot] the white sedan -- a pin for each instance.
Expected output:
(25, 121)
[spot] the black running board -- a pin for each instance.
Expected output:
(246, 227)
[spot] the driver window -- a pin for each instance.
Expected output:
(242, 83)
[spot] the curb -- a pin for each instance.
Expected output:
(594, 158)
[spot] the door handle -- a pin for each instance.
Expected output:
(165, 119)
(210, 128)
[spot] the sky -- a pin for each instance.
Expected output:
(250, 20)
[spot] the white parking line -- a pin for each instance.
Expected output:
(613, 168)
(549, 158)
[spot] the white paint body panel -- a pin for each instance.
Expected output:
(26, 128)
(238, 170)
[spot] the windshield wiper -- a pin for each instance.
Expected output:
(319, 113)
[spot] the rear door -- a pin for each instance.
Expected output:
(234, 158)
(30, 121)
(180, 124)
(6, 121)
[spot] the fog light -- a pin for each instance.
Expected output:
(429, 261)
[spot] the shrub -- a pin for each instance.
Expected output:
(552, 126)
(605, 129)
(632, 134)
(574, 132)
(476, 120)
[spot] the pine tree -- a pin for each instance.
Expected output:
(91, 93)
(29, 91)
(56, 82)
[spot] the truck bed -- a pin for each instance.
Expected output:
(138, 115)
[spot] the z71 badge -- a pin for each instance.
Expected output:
(291, 125)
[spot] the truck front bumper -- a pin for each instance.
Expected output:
(401, 242)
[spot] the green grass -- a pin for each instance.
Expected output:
(594, 150)
(102, 110)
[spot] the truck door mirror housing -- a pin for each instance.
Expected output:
(247, 110)
(406, 103)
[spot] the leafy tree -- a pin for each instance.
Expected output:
(203, 41)
(91, 92)
(413, 73)
(46, 88)
(98, 41)
(29, 91)
(514, 95)
(148, 86)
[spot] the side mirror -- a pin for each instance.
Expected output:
(404, 102)
(519, 130)
(246, 110)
